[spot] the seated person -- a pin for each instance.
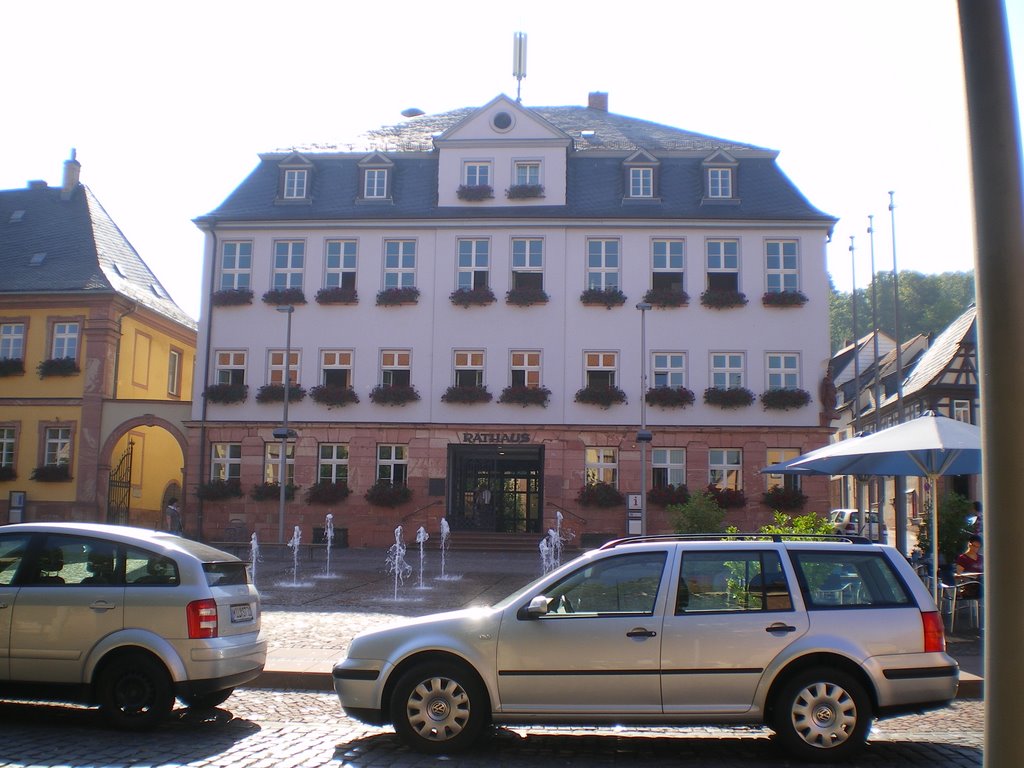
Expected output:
(970, 562)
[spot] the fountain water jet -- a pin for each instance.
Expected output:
(254, 556)
(421, 539)
(294, 544)
(396, 560)
(329, 537)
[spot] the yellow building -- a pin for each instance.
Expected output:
(96, 365)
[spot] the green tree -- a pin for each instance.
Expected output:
(953, 533)
(701, 514)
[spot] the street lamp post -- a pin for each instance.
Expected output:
(284, 433)
(643, 436)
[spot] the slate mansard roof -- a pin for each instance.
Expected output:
(600, 143)
(55, 243)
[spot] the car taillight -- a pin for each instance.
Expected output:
(202, 619)
(934, 634)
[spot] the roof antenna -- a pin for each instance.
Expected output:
(519, 61)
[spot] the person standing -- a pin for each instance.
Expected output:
(172, 517)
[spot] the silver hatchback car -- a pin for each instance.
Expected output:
(125, 618)
(813, 638)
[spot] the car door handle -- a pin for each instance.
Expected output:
(102, 605)
(780, 627)
(641, 632)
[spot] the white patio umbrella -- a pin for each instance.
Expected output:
(929, 446)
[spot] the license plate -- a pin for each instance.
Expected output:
(241, 612)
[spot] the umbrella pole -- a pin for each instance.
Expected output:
(935, 539)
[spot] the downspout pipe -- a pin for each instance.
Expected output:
(211, 231)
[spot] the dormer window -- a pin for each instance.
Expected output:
(641, 182)
(375, 178)
(375, 183)
(294, 181)
(720, 183)
(720, 178)
(641, 178)
(295, 184)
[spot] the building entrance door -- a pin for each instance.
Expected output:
(496, 488)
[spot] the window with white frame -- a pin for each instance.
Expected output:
(723, 265)
(720, 182)
(668, 369)
(336, 367)
(781, 480)
(399, 263)
(641, 182)
(727, 370)
(340, 264)
(603, 264)
(289, 262)
(65, 340)
(333, 463)
(174, 372)
(725, 468)
(962, 410)
(272, 462)
(525, 368)
(230, 366)
(235, 265)
(600, 368)
(668, 262)
(476, 174)
(469, 368)
(783, 370)
(276, 366)
(57, 446)
(782, 269)
(528, 262)
(12, 341)
(393, 463)
(8, 442)
(602, 466)
(473, 265)
(668, 467)
(527, 172)
(295, 184)
(375, 183)
(226, 461)
(395, 367)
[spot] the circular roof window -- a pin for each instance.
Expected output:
(501, 121)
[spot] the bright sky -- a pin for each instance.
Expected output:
(168, 104)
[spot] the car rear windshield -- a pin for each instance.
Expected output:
(849, 580)
(226, 574)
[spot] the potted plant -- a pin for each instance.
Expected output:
(333, 395)
(57, 366)
(468, 395)
(274, 393)
(11, 366)
(727, 497)
(399, 394)
(524, 191)
(667, 297)
(600, 494)
(226, 393)
(390, 297)
(7, 473)
(784, 399)
(781, 498)
(337, 295)
(663, 495)
(231, 297)
(385, 494)
(283, 296)
(467, 297)
(728, 397)
(524, 297)
(603, 297)
(520, 394)
(216, 490)
(783, 299)
(52, 473)
(327, 492)
(722, 298)
(474, 192)
(669, 397)
(269, 491)
(602, 395)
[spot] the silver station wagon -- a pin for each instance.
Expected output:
(124, 618)
(812, 638)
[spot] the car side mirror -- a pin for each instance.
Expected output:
(536, 608)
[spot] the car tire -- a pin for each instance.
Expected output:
(135, 692)
(439, 707)
(822, 715)
(207, 700)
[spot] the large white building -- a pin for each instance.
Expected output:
(472, 280)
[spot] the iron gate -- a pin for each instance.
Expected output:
(119, 492)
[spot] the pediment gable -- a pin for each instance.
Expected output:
(503, 119)
(641, 157)
(295, 160)
(720, 157)
(376, 160)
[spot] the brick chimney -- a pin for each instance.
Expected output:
(598, 100)
(72, 171)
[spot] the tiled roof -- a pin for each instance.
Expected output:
(942, 351)
(53, 245)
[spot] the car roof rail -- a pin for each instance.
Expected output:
(738, 536)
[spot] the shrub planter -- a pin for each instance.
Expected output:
(12, 366)
(783, 499)
(283, 296)
(52, 473)
(783, 299)
(718, 299)
(468, 297)
(226, 393)
(332, 395)
(600, 297)
(602, 396)
(519, 394)
(524, 191)
(274, 393)
(666, 298)
(384, 494)
(269, 491)
(7, 473)
(399, 395)
(217, 490)
(327, 492)
(57, 366)
(474, 192)
(337, 296)
(784, 399)
(600, 495)
(231, 297)
(524, 297)
(391, 297)
(669, 397)
(663, 495)
(727, 498)
(728, 397)
(467, 395)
